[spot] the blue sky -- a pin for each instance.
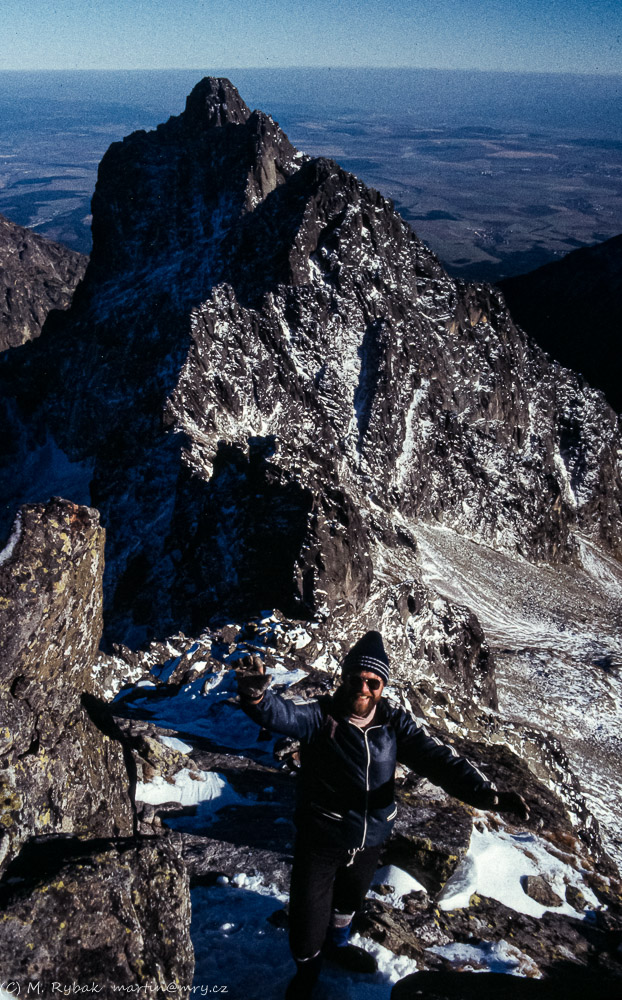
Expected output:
(542, 35)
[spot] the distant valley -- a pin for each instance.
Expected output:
(498, 174)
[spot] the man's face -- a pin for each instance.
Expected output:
(362, 691)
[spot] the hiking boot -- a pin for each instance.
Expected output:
(350, 957)
(301, 986)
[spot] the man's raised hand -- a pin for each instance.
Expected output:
(252, 678)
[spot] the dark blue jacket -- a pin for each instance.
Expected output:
(345, 790)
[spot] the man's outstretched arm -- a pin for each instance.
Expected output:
(271, 710)
(433, 759)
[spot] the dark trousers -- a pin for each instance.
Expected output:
(323, 881)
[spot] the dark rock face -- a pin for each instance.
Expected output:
(36, 276)
(94, 913)
(60, 771)
(269, 378)
(497, 986)
(572, 307)
(97, 906)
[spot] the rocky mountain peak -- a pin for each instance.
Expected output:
(215, 102)
(268, 381)
(167, 199)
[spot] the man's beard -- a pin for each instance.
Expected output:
(355, 702)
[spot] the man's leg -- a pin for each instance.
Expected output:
(351, 885)
(310, 903)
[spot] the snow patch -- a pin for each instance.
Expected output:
(189, 788)
(497, 956)
(16, 534)
(400, 882)
(175, 744)
(494, 866)
(236, 946)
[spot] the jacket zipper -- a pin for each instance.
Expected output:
(365, 732)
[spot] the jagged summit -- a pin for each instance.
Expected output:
(267, 381)
(215, 102)
(170, 197)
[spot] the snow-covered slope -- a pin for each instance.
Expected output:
(556, 635)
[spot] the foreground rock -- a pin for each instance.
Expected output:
(98, 906)
(36, 275)
(108, 913)
(496, 986)
(61, 768)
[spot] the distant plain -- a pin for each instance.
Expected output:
(498, 173)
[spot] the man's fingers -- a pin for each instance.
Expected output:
(251, 664)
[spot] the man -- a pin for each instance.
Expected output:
(345, 808)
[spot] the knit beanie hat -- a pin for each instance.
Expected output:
(368, 654)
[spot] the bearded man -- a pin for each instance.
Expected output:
(345, 807)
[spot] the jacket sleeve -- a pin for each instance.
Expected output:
(281, 715)
(429, 757)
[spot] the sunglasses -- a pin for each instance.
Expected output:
(357, 682)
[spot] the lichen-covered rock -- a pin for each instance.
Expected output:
(51, 607)
(61, 768)
(36, 275)
(105, 913)
(75, 781)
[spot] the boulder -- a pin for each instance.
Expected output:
(537, 887)
(62, 768)
(98, 914)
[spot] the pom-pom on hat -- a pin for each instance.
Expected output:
(368, 654)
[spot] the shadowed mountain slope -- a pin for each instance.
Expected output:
(36, 275)
(573, 308)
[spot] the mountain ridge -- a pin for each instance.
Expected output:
(572, 309)
(283, 328)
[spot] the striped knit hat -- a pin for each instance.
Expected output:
(368, 654)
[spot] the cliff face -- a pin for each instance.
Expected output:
(267, 378)
(573, 309)
(75, 881)
(36, 275)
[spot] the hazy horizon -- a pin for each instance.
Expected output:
(576, 36)
(497, 172)
(217, 70)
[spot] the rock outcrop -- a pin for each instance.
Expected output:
(103, 914)
(572, 308)
(60, 770)
(82, 898)
(36, 275)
